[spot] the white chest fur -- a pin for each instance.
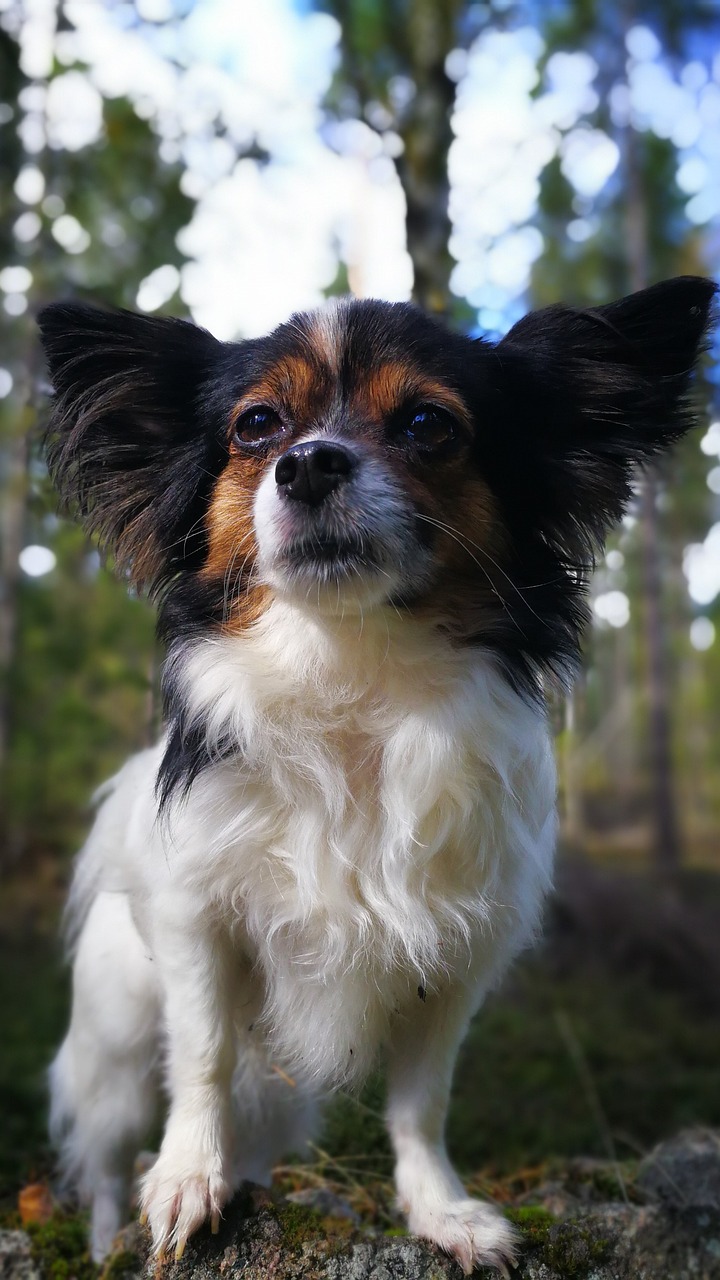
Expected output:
(387, 823)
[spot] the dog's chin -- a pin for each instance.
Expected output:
(338, 575)
(333, 577)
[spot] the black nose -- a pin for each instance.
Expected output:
(309, 472)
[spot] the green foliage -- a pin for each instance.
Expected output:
(518, 1097)
(81, 691)
(11, 81)
(636, 231)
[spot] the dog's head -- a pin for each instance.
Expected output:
(363, 457)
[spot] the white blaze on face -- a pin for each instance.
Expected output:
(369, 516)
(327, 332)
(369, 509)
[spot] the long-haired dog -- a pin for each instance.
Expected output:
(370, 539)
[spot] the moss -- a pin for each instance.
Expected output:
(533, 1221)
(302, 1226)
(299, 1225)
(60, 1248)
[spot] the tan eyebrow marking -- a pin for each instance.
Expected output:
(293, 383)
(291, 380)
(387, 388)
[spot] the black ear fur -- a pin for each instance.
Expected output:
(600, 390)
(126, 444)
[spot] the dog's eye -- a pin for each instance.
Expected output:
(428, 427)
(257, 425)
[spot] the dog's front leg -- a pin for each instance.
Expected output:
(422, 1057)
(190, 1180)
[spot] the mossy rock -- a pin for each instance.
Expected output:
(263, 1235)
(573, 1250)
(303, 1226)
(60, 1248)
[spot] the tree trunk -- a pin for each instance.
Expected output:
(666, 835)
(427, 135)
(12, 527)
(409, 41)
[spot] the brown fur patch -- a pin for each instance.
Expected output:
(232, 549)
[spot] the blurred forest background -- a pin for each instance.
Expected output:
(234, 161)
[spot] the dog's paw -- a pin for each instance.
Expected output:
(473, 1233)
(178, 1197)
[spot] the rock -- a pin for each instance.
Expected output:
(628, 1242)
(16, 1260)
(684, 1171)
(590, 1221)
(263, 1237)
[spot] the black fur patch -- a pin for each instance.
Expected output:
(125, 444)
(579, 401)
(186, 754)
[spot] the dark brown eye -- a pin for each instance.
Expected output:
(428, 427)
(258, 425)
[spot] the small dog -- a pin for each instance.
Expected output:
(370, 539)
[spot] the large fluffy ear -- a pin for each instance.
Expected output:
(126, 443)
(593, 393)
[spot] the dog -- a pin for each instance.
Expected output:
(370, 539)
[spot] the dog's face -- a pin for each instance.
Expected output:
(363, 457)
(349, 481)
